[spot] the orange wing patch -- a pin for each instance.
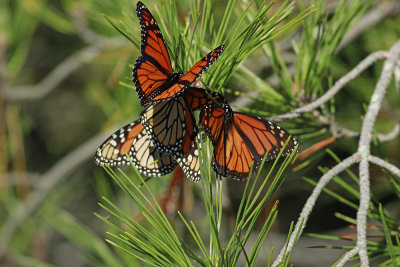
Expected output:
(153, 47)
(147, 78)
(173, 91)
(194, 72)
(153, 68)
(232, 157)
(241, 140)
(187, 79)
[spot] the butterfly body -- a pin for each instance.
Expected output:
(171, 81)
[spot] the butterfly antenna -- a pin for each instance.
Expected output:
(219, 104)
(145, 181)
(157, 160)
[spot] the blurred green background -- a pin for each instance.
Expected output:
(65, 85)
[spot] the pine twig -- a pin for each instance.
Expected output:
(364, 148)
(312, 199)
(347, 256)
(9, 179)
(363, 65)
(339, 131)
(391, 135)
(369, 20)
(384, 164)
(362, 155)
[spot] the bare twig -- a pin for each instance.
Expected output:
(391, 135)
(339, 131)
(79, 19)
(302, 220)
(347, 256)
(10, 179)
(316, 147)
(62, 71)
(384, 164)
(370, 19)
(362, 155)
(364, 64)
(364, 148)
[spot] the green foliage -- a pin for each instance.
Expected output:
(278, 55)
(320, 40)
(156, 242)
(91, 244)
(386, 253)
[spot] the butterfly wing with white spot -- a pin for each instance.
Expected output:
(132, 142)
(190, 162)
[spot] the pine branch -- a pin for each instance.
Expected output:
(347, 256)
(364, 148)
(362, 155)
(384, 164)
(309, 205)
(363, 65)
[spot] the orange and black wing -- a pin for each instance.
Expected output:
(232, 158)
(131, 142)
(263, 136)
(191, 75)
(170, 125)
(188, 78)
(212, 118)
(240, 140)
(199, 97)
(153, 68)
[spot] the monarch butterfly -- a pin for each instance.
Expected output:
(133, 142)
(153, 76)
(239, 140)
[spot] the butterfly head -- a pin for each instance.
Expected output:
(175, 77)
(228, 111)
(172, 79)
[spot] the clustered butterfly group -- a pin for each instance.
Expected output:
(166, 133)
